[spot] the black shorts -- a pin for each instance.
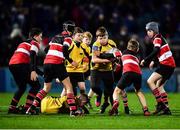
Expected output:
(21, 74)
(76, 77)
(106, 77)
(52, 71)
(165, 71)
(117, 76)
(87, 74)
(129, 78)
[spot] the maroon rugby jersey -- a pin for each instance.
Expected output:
(22, 53)
(55, 52)
(165, 55)
(130, 62)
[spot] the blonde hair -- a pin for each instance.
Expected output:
(133, 45)
(88, 35)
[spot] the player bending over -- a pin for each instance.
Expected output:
(54, 68)
(131, 75)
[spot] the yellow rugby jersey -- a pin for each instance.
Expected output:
(52, 105)
(86, 59)
(78, 54)
(102, 49)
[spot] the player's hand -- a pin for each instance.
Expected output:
(75, 64)
(151, 65)
(34, 76)
(84, 67)
(142, 63)
(85, 59)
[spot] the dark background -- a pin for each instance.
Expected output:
(123, 19)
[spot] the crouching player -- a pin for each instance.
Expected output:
(54, 105)
(54, 68)
(131, 75)
(24, 70)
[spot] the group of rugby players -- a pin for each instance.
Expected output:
(71, 60)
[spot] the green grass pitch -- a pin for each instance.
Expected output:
(136, 120)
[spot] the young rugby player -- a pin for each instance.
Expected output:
(87, 39)
(75, 65)
(164, 70)
(54, 67)
(101, 69)
(131, 75)
(23, 68)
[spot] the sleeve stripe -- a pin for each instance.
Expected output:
(157, 45)
(66, 43)
(34, 48)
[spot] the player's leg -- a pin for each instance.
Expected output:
(35, 87)
(82, 87)
(108, 81)
(143, 103)
(164, 96)
(160, 84)
(20, 74)
(137, 80)
(95, 82)
(116, 95)
(166, 73)
(155, 90)
(70, 96)
(90, 95)
(39, 96)
(63, 76)
(64, 92)
(48, 77)
(125, 101)
(81, 83)
(126, 80)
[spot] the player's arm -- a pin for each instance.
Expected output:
(66, 44)
(157, 44)
(33, 52)
(151, 56)
(110, 55)
(96, 59)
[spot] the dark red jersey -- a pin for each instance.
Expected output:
(130, 62)
(165, 55)
(55, 52)
(22, 53)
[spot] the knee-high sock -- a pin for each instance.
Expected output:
(157, 95)
(41, 94)
(16, 98)
(124, 98)
(71, 102)
(29, 100)
(164, 98)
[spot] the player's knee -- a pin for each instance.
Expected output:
(149, 82)
(117, 90)
(47, 88)
(137, 91)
